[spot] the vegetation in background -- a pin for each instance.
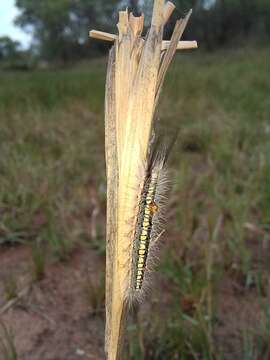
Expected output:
(8, 48)
(12, 55)
(7, 344)
(60, 28)
(52, 178)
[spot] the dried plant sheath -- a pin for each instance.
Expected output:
(136, 72)
(112, 184)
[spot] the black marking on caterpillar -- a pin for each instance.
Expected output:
(144, 226)
(149, 218)
(151, 210)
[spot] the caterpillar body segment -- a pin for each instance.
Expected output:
(150, 212)
(148, 208)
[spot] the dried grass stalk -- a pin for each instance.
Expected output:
(136, 72)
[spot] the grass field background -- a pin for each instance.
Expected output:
(52, 172)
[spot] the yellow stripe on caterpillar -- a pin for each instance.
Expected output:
(144, 225)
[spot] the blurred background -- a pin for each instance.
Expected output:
(210, 298)
(57, 32)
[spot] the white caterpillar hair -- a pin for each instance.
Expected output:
(149, 225)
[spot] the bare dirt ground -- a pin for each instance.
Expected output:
(55, 320)
(59, 318)
(238, 311)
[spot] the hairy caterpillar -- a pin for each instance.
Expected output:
(147, 211)
(152, 201)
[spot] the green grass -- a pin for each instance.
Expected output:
(50, 89)
(51, 146)
(7, 343)
(52, 171)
